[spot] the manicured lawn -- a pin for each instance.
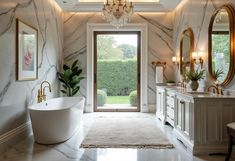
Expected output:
(118, 100)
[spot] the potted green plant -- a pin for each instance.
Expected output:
(194, 76)
(70, 78)
(216, 74)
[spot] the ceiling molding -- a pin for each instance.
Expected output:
(75, 6)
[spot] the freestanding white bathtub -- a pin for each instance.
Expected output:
(57, 119)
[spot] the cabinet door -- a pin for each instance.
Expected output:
(183, 120)
(178, 112)
(160, 104)
(170, 107)
(186, 107)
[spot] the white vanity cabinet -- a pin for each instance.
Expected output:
(199, 119)
(160, 103)
(170, 107)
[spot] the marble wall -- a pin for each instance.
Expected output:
(197, 14)
(16, 96)
(160, 46)
(66, 33)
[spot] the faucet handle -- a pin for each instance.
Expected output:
(39, 93)
(221, 90)
(39, 96)
(44, 95)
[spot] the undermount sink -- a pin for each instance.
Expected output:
(196, 92)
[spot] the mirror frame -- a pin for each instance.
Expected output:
(231, 71)
(191, 49)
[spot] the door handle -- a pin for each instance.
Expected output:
(95, 78)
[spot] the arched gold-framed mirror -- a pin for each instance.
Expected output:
(221, 44)
(186, 50)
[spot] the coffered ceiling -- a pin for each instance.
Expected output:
(139, 5)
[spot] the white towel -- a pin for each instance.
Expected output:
(159, 74)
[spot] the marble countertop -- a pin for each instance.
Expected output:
(196, 94)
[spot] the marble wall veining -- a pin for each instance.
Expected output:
(196, 14)
(160, 46)
(16, 96)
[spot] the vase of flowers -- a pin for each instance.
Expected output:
(194, 76)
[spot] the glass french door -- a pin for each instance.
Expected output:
(116, 71)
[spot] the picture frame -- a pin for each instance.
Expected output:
(26, 51)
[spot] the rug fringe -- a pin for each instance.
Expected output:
(169, 146)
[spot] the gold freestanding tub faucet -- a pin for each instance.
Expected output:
(41, 92)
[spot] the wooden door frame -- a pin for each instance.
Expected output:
(138, 33)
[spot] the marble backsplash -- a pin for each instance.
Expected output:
(196, 14)
(160, 46)
(16, 96)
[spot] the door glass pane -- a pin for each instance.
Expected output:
(117, 71)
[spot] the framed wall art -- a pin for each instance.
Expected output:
(27, 51)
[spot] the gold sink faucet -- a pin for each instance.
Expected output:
(41, 92)
(216, 89)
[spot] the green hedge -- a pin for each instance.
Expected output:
(101, 97)
(118, 77)
(133, 98)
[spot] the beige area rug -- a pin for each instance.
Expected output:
(125, 133)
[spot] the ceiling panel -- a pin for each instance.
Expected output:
(111, 0)
(97, 5)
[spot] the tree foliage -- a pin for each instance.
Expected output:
(106, 48)
(221, 54)
(129, 51)
(220, 45)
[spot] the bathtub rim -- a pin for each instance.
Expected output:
(32, 107)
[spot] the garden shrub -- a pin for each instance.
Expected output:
(119, 77)
(101, 97)
(133, 98)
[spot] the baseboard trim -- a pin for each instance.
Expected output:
(15, 135)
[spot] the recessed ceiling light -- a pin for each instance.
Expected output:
(64, 2)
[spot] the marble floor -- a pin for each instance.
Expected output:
(27, 150)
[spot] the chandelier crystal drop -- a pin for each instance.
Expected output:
(117, 12)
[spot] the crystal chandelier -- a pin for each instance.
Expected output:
(118, 12)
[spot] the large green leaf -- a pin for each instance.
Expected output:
(67, 74)
(74, 64)
(75, 90)
(75, 69)
(65, 87)
(61, 75)
(79, 72)
(80, 78)
(63, 81)
(75, 78)
(63, 91)
(65, 67)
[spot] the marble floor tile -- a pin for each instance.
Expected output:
(28, 150)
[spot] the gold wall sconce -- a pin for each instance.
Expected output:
(159, 63)
(175, 60)
(198, 57)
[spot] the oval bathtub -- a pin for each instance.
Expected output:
(57, 119)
